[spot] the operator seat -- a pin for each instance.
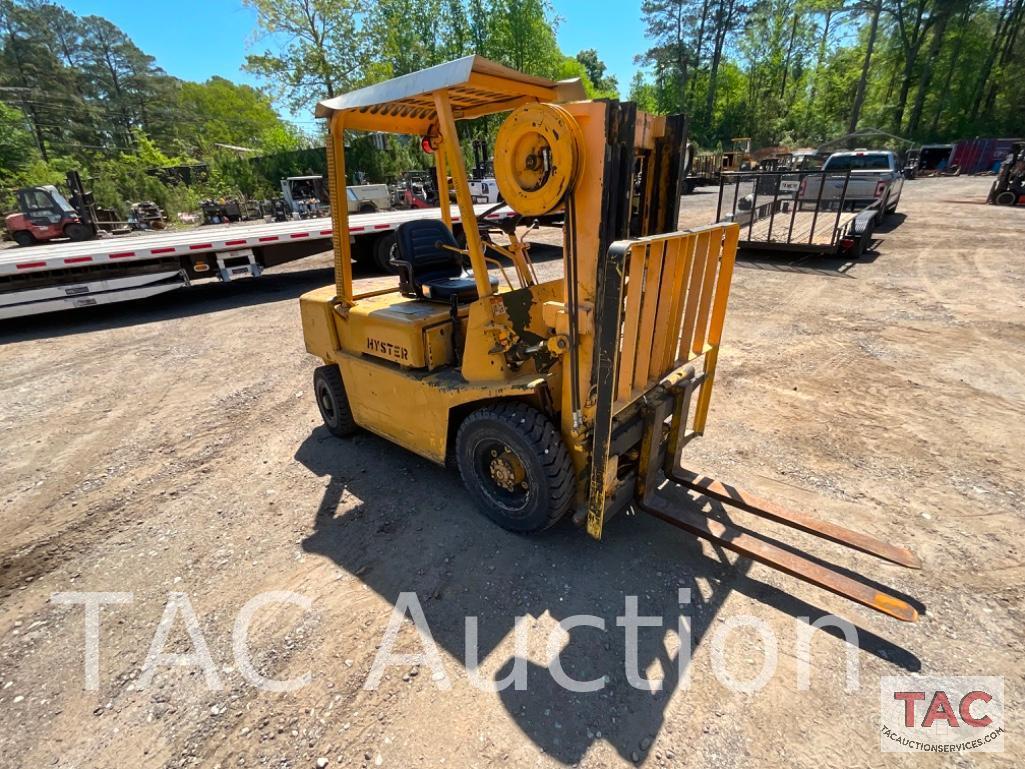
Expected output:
(429, 271)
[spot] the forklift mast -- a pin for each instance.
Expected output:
(81, 200)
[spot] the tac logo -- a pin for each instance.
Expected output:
(941, 714)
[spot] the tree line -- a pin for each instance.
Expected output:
(807, 71)
(76, 92)
(793, 72)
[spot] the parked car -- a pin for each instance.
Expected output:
(875, 178)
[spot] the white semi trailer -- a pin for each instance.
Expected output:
(67, 274)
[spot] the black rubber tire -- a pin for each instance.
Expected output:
(78, 231)
(24, 238)
(333, 402)
(1005, 198)
(384, 246)
(367, 208)
(536, 443)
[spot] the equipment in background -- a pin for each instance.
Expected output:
(308, 198)
(1009, 187)
(146, 215)
(45, 214)
(305, 196)
(574, 396)
(367, 198)
(414, 189)
(223, 211)
(483, 187)
(230, 210)
(275, 210)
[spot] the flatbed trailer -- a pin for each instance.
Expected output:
(66, 275)
(776, 214)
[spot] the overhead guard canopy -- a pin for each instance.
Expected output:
(476, 86)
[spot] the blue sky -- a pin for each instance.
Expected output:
(195, 39)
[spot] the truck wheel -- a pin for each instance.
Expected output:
(23, 238)
(384, 249)
(78, 232)
(333, 402)
(515, 466)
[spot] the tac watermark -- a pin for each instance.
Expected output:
(941, 714)
(761, 642)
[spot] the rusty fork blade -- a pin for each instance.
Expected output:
(782, 560)
(730, 495)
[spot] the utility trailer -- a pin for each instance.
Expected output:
(72, 274)
(804, 212)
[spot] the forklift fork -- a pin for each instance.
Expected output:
(661, 455)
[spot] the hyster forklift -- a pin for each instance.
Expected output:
(574, 395)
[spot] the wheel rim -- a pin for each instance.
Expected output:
(501, 475)
(327, 404)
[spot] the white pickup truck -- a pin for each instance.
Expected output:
(875, 177)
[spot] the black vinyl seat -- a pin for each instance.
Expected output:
(426, 269)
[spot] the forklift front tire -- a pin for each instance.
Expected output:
(24, 238)
(515, 466)
(78, 232)
(333, 402)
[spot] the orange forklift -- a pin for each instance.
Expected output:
(45, 214)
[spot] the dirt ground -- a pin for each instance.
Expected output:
(174, 446)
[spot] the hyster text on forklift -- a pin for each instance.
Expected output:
(571, 396)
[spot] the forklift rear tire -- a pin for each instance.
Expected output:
(24, 238)
(384, 249)
(515, 466)
(333, 402)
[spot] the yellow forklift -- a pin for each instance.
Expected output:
(572, 396)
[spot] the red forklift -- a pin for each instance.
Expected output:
(45, 214)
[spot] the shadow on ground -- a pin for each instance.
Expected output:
(423, 535)
(827, 266)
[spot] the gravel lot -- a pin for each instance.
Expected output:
(173, 447)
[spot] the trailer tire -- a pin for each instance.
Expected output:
(23, 238)
(515, 466)
(332, 401)
(384, 249)
(77, 231)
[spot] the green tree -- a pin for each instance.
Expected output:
(221, 112)
(522, 35)
(607, 85)
(17, 145)
(324, 53)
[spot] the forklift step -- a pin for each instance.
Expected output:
(730, 495)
